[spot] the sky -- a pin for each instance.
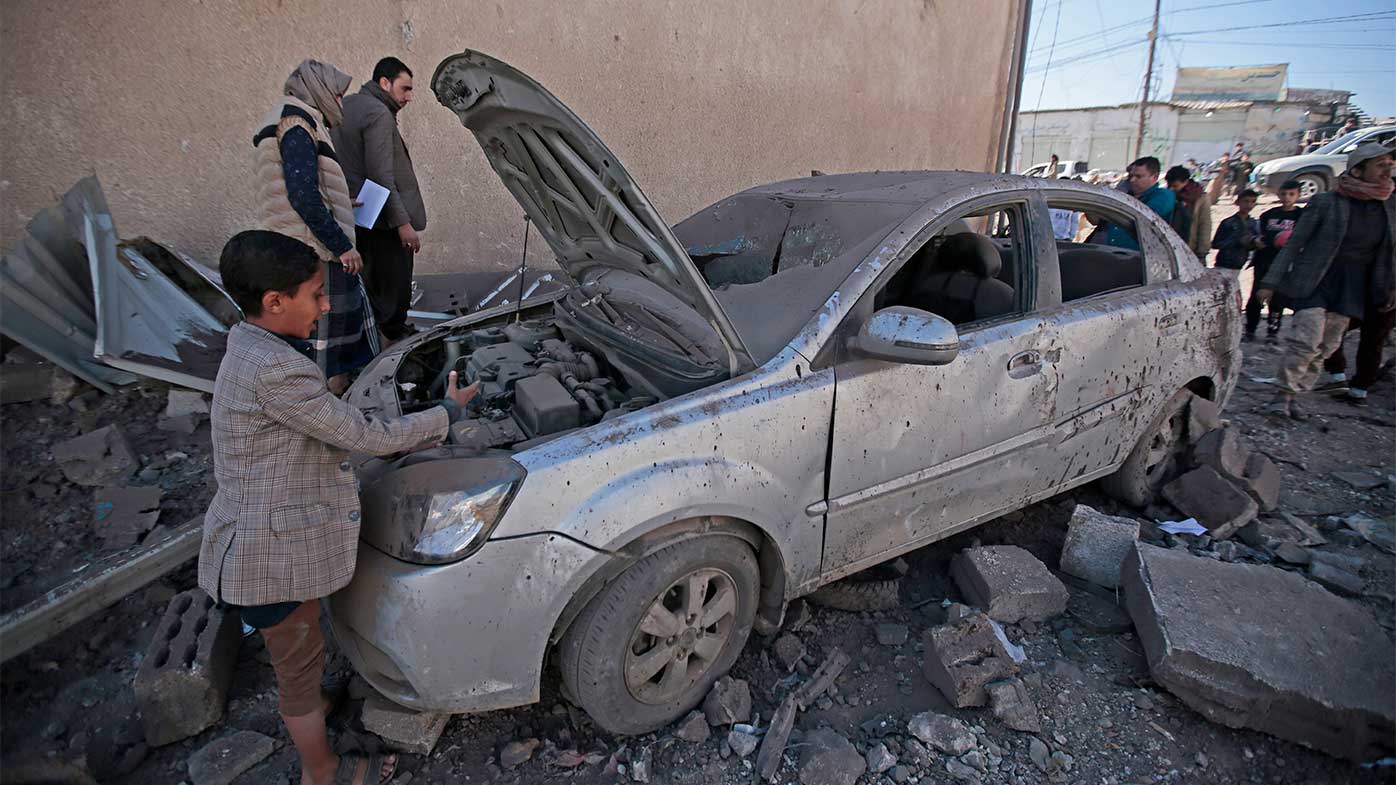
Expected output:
(1094, 52)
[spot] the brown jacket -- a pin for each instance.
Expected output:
(284, 524)
(371, 147)
(274, 210)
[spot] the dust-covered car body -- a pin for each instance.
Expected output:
(755, 385)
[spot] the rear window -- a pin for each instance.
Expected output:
(773, 261)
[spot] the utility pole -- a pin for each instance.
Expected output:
(1148, 76)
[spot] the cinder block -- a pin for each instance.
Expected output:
(403, 729)
(1215, 502)
(1223, 451)
(1096, 545)
(182, 685)
(964, 656)
(1263, 481)
(1009, 583)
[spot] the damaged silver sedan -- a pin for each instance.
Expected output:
(798, 382)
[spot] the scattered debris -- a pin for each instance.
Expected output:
(789, 650)
(1262, 481)
(516, 752)
(182, 685)
(1360, 480)
(1292, 553)
(742, 743)
(827, 758)
(224, 759)
(401, 728)
(892, 634)
(1222, 450)
(1204, 416)
(728, 702)
(1013, 705)
(879, 759)
(184, 410)
(1253, 646)
(946, 734)
(1216, 503)
(122, 516)
(965, 655)
(100, 458)
(1335, 577)
(1380, 533)
(1309, 535)
(778, 734)
(1189, 526)
(1009, 583)
(1097, 544)
(694, 728)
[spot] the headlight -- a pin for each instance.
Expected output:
(438, 511)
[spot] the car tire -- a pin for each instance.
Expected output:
(608, 652)
(1155, 459)
(1311, 184)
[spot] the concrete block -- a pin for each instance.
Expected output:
(1096, 545)
(1213, 500)
(1204, 416)
(1222, 450)
(1253, 646)
(101, 457)
(1009, 583)
(401, 728)
(965, 655)
(182, 685)
(1262, 481)
(223, 760)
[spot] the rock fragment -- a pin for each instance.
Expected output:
(1336, 578)
(1223, 451)
(1213, 500)
(121, 516)
(827, 758)
(100, 458)
(728, 702)
(963, 656)
(789, 650)
(879, 759)
(1254, 646)
(742, 743)
(403, 729)
(946, 734)
(516, 753)
(1014, 706)
(1009, 583)
(224, 759)
(694, 728)
(1096, 545)
(1204, 416)
(1262, 481)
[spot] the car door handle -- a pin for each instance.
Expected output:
(1168, 320)
(1024, 364)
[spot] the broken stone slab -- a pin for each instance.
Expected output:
(694, 728)
(946, 734)
(1335, 578)
(1223, 451)
(1214, 501)
(224, 759)
(1013, 705)
(1096, 545)
(1378, 532)
(1262, 481)
(1009, 583)
(1258, 647)
(1308, 535)
(728, 702)
(964, 655)
(1204, 416)
(182, 685)
(401, 728)
(121, 516)
(1359, 480)
(827, 758)
(1292, 553)
(98, 458)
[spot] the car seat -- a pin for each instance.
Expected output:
(963, 286)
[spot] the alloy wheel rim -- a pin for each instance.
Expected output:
(682, 633)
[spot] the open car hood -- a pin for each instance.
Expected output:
(585, 204)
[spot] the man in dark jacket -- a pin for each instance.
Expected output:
(1238, 235)
(371, 148)
(1340, 259)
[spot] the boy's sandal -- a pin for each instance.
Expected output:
(373, 772)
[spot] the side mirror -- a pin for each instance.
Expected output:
(907, 335)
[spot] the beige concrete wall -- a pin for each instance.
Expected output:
(698, 99)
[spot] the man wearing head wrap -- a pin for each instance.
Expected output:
(302, 192)
(1339, 263)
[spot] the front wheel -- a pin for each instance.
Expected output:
(1311, 185)
(649, 646)
(1155, 459)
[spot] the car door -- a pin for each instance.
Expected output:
(918, 452)
(1118, 326)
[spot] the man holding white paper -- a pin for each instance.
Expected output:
(379, 171)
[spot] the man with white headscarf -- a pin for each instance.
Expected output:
(302, 192)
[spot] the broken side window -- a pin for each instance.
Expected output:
(1089, 264)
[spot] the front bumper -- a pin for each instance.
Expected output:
(462, 637)
(1270, 182)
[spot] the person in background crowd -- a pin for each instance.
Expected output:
(1054, 168)
(302, 193)
(1192, 217)
(1238, 235)
(1339, 262)
(1241, 173)
(1276, 225)
(1144, 186)
(1194, 168)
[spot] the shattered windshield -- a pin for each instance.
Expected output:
(772, 261)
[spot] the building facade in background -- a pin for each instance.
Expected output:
(699, 100)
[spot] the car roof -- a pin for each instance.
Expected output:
(910, 187)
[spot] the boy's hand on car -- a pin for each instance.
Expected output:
(461, 395)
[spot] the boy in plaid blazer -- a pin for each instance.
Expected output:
(283, 529)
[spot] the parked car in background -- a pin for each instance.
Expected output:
(1317, 171)
(1068, 169)
(801, 381)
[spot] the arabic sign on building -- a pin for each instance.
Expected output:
(1253, 83)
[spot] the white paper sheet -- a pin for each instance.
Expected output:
(1189, 526)
(373, 196)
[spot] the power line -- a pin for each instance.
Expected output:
(1056, 26)
(1295, 23)
(1088, 38)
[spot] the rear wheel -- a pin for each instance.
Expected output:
(1311, 184)
(1155, 459)
(647, 649)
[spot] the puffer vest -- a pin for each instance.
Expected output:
(274, 210)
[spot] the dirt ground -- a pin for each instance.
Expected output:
(71, 699)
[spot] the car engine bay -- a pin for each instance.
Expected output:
(534, 383)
